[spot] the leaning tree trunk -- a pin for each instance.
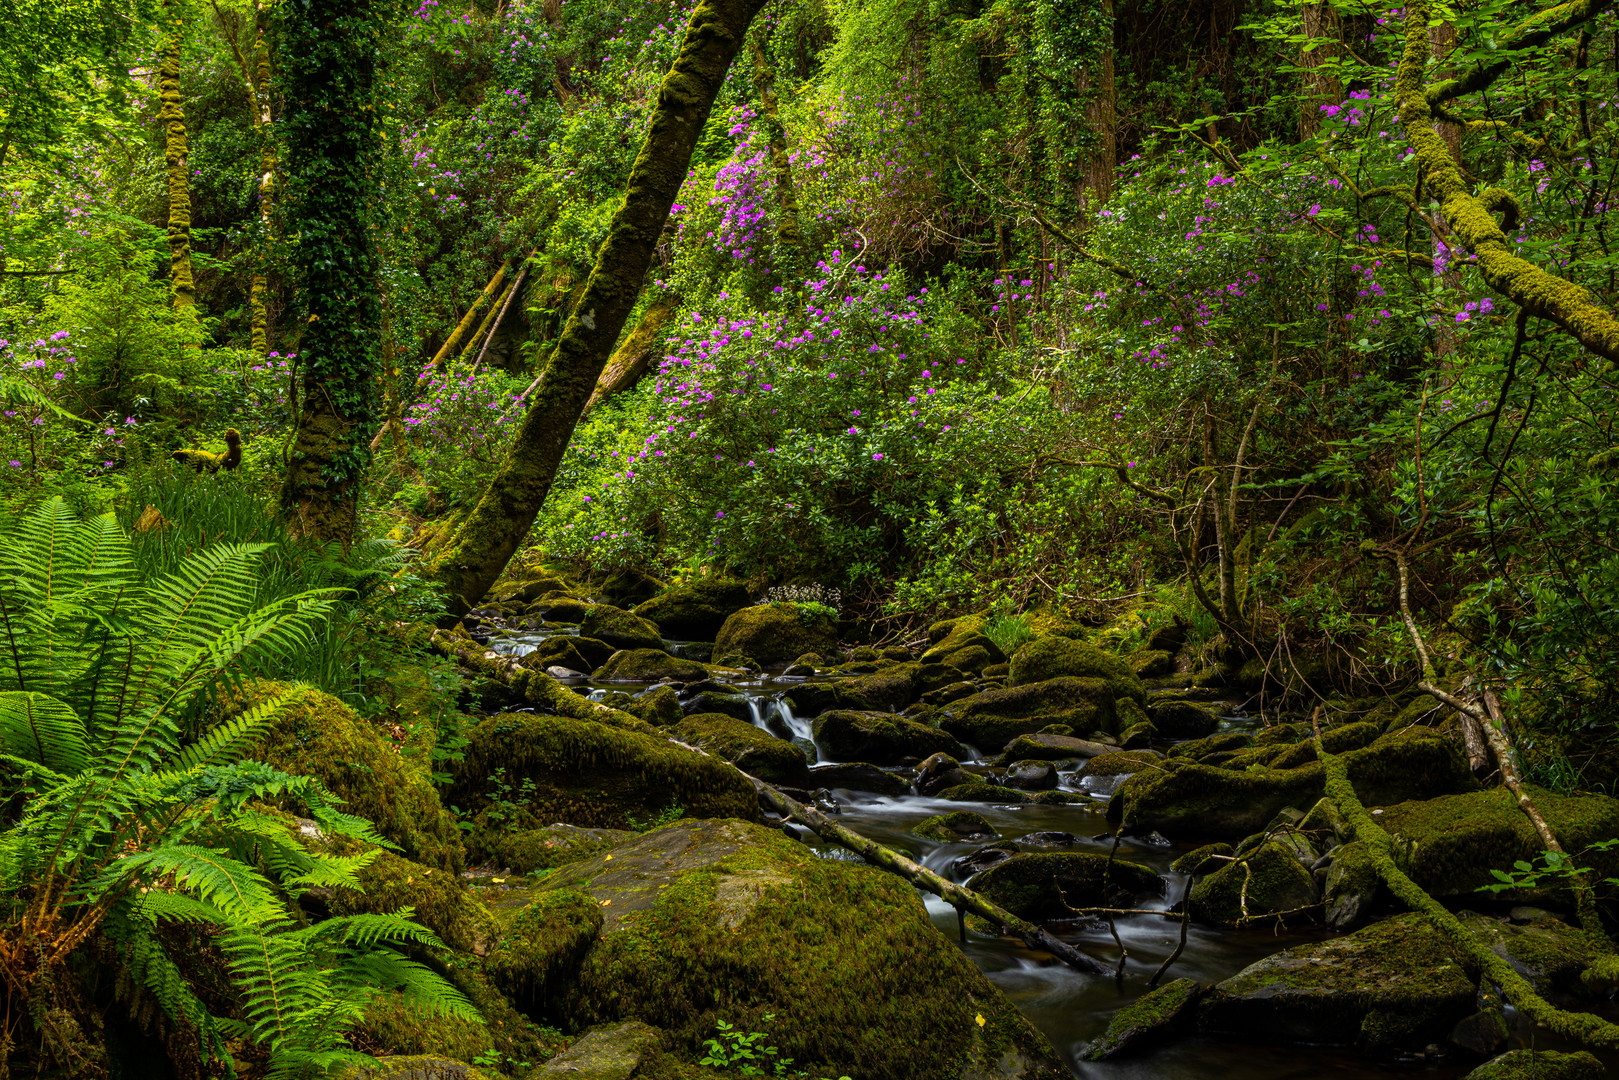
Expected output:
(172, 113)
(328, 62)
(479, 550)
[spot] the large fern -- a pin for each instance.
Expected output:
(137, 813)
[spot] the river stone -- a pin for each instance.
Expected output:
(991, 719)
(960, 825)
(1150, 1019)
(1221, 743)
(775, 633)
(1048, 841)
(1268, 880)
(982, 859)
(648, 666)
(962, 644)
(619, 628)
(1185, 799)
(884, 738)
(1204, 860)
(751, 749)
(527, 591)
(953, 691)
(1046, 747)
(559, 651)
(940, 771)
(1394, 983)
(1540, 1065)
(1483, 1034)
(977, 789)
(421, 1067)
(697, 609)
(1352, 887)
(1042, 885)
(1050, 657)
(718, 701)
(608, 1052)
(1030, 776)
(858, 776)
(1549, 953)
(527, 850)
(1151, 663)
(713, 920)
(560, 607)
(1177, 718)
(887, 690)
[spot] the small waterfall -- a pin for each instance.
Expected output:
(800, 728)
(774, 715)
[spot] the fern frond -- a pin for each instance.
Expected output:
(38, 727)
(228, 740)
(238, 891)
(423, 988)
(157, 905)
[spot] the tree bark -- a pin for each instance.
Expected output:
(789, 237)
(635, 354)
(1319, 85)
(1102, 114)
(175, 157)
(477, 553)
(259, 291)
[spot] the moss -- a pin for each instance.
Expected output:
(648, 666)
(441, 901)
(750, 749)
(985, 792)
(881, 738)
(1203, 860)
(319, 736)
(1052, 657)
(1223, 743)
(1120, 763)
(775, 633)
(1051, 746)
(1449, 845)
(696, 611)
(1549, 953)
(1266, 881)
(659, 707)
(1051, 885)
(1178, 718)
(893, 687)
(992, 718)
(1151, 663)
(619, 628)
(1540, 1065)
(1352, 887)
(585, 773)
(543, 948)
(961, 643)
(718, 920)
(1148, 1018)
(527, 850)
(1138, 736)
(393, 1026)
(424, 1067)
(1128, 713)
(948, 828)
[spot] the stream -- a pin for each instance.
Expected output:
(1068, 1007)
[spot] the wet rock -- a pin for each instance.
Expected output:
(992, 718)
(1030, 776)
(960, 825)
(1204, 860)
(1119, 763)
(982, 859)
(700, 651)
(953, 691)
(560, 607)
(1393, 984)
(659, 706)
(1151, 663)
(977, 789)
(1540, 1065)
(1449, 845)
(889, 689)
(559, 672)
(1352, 887)
(1043, 746)
(859, 776)
(1482, 1034)
(705, 920)
(524, 851)
(698, 609)
(609, 1052)
(560, 651)
(1268, 880)
(629, 587)
(1549, 953)
(939, 771)
(776, 633)
(751, 749)
(1138, 736)
(1049, 658)
(1150, 1019)
(648, 666)
(1223, 742)
(619, 628)
(884, 738)
(1042, 885)
(812, 699)
(1177, 718)
(1185, 799)
(961, 643)
(718, 701)
(526, 591)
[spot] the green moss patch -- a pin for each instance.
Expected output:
(649, 665)
(1265, 881)
(1149, 1018)
(441, 901)
(775, 633)
(696, 611)
(1051, 657)
(746, 746)
(543, 947)
(879, 737)
(960, 825)
(619, 628)
(527, 850)
(1540, 1065)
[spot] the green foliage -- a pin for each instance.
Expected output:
(667, 816)
(1556, 868)
(1008, 630)
(745, 1052)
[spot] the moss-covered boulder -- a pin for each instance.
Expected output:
(858, 776)
(1188, 799)
(1449, 845)
(649, 665)
(619, 1051)
(776, 633)
(977, 789)
(1177, 718)
(1263, 882)
(750, 748)
(1226, 742)
(1147, 1020)
(1547, 952)
(423, 1067)
(441, 901)
(1393, 984)
(543, 947)
(526, 590)
(585, 773)
(1051, 885)
(1352, 888)
(949, 828)
(722, 920)
(890, 688)
(1203, 860)
(991, 719)
(524, 851)
(619, 628)
(961, 643)
(560, 651)
(1540, 1065)
(1045, 747)
(374, 773)
(1052, 657)
(696, 611)
(560, 607)
(881, 738)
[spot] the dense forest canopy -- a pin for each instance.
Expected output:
(1229, 382)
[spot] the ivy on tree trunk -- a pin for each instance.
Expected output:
(479, 549)
(175, 151)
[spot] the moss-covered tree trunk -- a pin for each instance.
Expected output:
(171, 112)
(1102, 115)
(259, 292)
(328, 61)
(789, 236)
(1319, 83)
(480, 548)
(634, 355)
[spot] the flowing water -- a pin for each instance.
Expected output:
(1069, 1007)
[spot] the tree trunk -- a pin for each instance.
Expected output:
(1319, 86)
(1441, 39)
(634, 356)
(258, 294)
(1102, 114)
(172, 113)
(789, 237)
(477, 553)
(328, 61)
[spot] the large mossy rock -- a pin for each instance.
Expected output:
(1449, 845)
(891, 688)
(991, 719)
(961, 643)
(775, 633)
(1540, 1065)
(878, 737)
(1052, 657)
(320, 736)
(619, 628)
(647, 666)
(1147, 1020)
(1393, 984)
(751, 749)
(1045, 747)
(696, 611)
(524, 851)
(1266, 881)
(722, 920)
(1186, 799)
(1050, 885)
(1177, 718)
(543, 947)
(442, 902)
(585, 773)
(1547, 952)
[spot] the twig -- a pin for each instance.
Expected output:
(1186, 918)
